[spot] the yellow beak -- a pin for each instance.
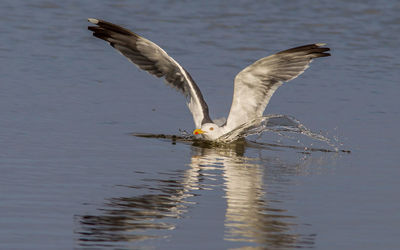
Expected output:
(198, 131)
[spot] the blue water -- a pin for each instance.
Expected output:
(74, 177)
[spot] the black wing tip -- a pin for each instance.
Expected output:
(100, 32)
(324, 54)
(316, 49)
(110, 27)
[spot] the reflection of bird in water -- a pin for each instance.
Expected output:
(253, 86)
(251, 214)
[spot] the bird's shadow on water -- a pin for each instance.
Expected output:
(254, 214)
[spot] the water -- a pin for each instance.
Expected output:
(74, 177)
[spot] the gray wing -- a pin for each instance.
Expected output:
(255, 84)
(151, 58)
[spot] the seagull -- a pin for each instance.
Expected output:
(253, 86)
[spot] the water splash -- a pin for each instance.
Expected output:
(283, 125)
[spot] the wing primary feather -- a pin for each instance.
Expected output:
(255, 84)
(150, 57)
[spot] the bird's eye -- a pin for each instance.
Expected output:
(211, 128)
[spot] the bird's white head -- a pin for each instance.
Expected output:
(209, 131)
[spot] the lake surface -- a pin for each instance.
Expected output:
(74, 177)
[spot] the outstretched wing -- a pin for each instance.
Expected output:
(255, 84)
(151, 58)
